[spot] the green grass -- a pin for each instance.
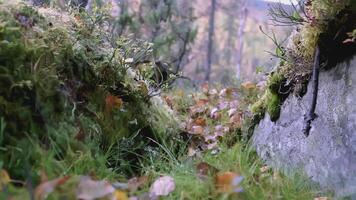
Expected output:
(240, 159)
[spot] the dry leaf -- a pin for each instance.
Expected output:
(89, 189)
(236, 120)
(45, 188)
(202, 102)
(191, 152)
(119, 195)
(231, 112)
(205, 169)
(321, 198)
(199, 130)
(163, 186)
(4, 179)
(137, 182)
(228, 182)
(112, 102)
(200, 121)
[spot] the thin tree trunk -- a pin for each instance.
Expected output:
(243, 12)
(210, 39)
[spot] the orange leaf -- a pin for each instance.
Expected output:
(228, 182)
(112, 102)
(44, 189)
(120, 195)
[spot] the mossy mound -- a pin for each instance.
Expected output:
(68, 96)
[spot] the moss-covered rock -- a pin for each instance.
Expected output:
(66, 88)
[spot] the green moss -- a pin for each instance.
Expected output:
(275, 82)
(273, 104)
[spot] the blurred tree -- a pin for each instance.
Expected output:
(168, 24)
(242, 13)
(210, 39)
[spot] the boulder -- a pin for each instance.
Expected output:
(328, 155)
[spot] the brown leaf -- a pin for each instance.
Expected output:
(44, 189)
(236, 120)
(200, 121)
(89, 189)
(112, 102)
(137, 182)
(228, 182)
(202, 102)
(163, 186)
(205, 169)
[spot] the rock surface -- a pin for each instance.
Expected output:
(328, 155)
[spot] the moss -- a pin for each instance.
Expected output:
(273, 105)
(275, 82)
(54, 80)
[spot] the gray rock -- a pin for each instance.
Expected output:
(328, 155)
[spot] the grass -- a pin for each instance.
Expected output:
(240, 159)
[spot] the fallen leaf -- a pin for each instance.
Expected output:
(200, 121)
(119, 195)
(4, 179)
(228, 182)
(191, 152)
(163, 186)
(137, 182)
(204, 169)
(89, 189)
(45, 188)
(199, 130)
(202, 102)
(231, 112)
(236, 120)
(321, 198)
(112, 102)
(226, 92)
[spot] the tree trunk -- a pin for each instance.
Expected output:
(210, 40)
(243, 12)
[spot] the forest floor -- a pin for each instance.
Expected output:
(215, 163)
